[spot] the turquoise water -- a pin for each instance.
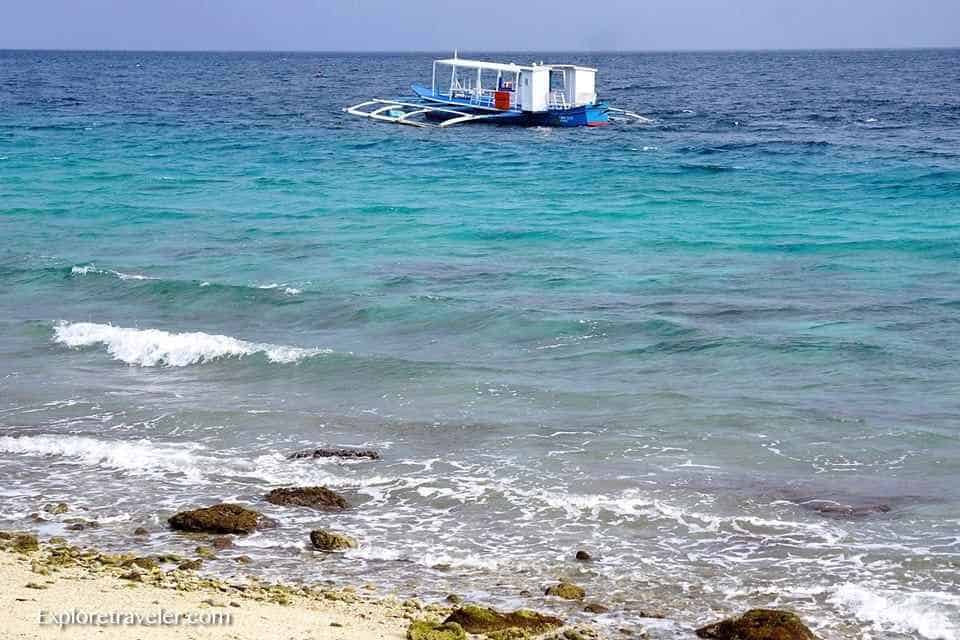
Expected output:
(668, 344)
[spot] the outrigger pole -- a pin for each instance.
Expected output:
(401, 113)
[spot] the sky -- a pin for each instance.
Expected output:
(472, 25)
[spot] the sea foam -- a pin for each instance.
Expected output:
(90, 269)
(138, 456)
(918, 614)
(153, 347)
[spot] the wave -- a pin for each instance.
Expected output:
(144, 457)
(290, 291)
(154, 347)
(91, 269)
(139, 456)
(925, 614)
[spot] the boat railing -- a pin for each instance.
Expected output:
(482, 98)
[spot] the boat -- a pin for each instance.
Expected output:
(463, 91)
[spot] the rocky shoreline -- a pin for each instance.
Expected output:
(217, 524)
(55, 560)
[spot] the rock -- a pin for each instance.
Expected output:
(24, 542)
(168, 557)
(595, 607)
(222, 543)
(79, 524)
(850, 511)
(759, 624)
(205, 552)
(190, 565)
(656, 615)
(220, 518)
(335, 453)
(427, 630)
(584, 556)
(140, 531)
(475, 619)
(574, 633)
(331, 541)
(566, 590)
(316, 497)
(454, 599)
(56, 508)
(144, 563)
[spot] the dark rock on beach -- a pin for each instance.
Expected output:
(595, 607)
(835, 510)
(566, 590)
(315, 497)
(79, 524)
(476, 619)
(220, 518)
(331, 541)
(223, 542)
(20, 542)
(190, 565)
(759, 624)
(56, 508)
(369, 454)
(427, 630)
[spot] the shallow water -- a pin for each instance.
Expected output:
(664, 343)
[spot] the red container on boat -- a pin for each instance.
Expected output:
(501, 100)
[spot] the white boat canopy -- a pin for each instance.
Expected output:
(507, 67)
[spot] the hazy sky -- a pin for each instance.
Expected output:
(327, 25)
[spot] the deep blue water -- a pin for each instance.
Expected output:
(663, 343)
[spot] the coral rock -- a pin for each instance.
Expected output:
(315, 497)
(335, 453)
(759, 624)
(331, 541)
(220, 518)
(476, 619)
(566, 590)
(426, 630)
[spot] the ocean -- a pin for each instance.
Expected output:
(718, 351)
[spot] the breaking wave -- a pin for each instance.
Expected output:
(145, 457)
(921, 614)
(154, 347)
(92, 270)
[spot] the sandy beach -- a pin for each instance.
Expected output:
(54, 590)
(34, 587)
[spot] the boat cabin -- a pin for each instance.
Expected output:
(528, 88)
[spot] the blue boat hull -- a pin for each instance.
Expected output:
(594, 115)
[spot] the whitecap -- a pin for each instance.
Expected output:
(141, 457)
(154, 347)
(89, 269)
(290, 291)
(926, 614)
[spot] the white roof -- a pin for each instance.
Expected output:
(481, 64)
(511, 67)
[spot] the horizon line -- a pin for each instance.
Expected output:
(444, 51)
